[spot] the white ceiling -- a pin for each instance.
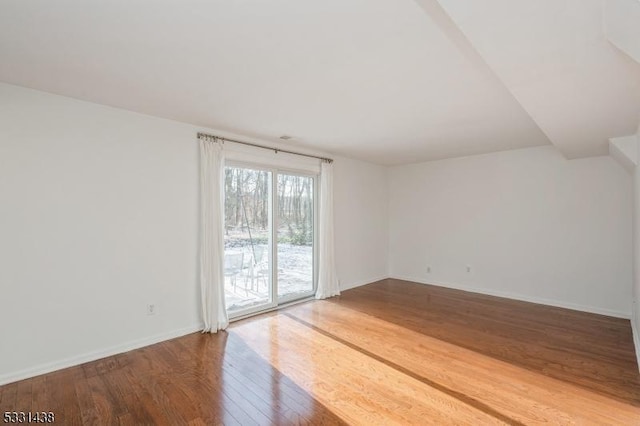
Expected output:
(555, 59)
(388, 81)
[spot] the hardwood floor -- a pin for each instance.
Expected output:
(391, 352)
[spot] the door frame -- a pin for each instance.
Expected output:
(314, 278)
(273, 235)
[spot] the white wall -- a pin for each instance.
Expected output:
(531, 225)
(635, 322)
(361, 222)
(99, 216)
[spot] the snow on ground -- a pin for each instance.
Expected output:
(295, 274)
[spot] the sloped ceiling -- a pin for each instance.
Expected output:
(387, 81)
(622, 26)
(554, 58)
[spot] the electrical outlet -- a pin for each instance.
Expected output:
(468, 268)
(428, 269)
(152, 309)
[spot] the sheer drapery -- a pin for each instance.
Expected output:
(327, 280)
(214, 311)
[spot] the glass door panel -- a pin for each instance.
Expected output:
(247, 239)
(295, 219)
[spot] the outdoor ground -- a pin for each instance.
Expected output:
(295, 275)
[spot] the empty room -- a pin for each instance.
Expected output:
(362, 212)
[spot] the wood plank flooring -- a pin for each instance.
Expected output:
(391, 352)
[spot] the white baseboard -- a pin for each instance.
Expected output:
(523, 298)
(92, 356)
(136, 344)
(359, 283)
(636, 337)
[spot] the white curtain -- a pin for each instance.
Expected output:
(327, 280)
(214, 311)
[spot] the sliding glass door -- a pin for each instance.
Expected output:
(269, 238)
(248, 239)
(295, 236)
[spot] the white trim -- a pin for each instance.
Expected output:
(636, 336)
(360, 283)
(92, 356)
(524, 298)
(272, 309)
(147, 341)
(275, 172)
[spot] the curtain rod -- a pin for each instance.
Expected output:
(276, 150)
